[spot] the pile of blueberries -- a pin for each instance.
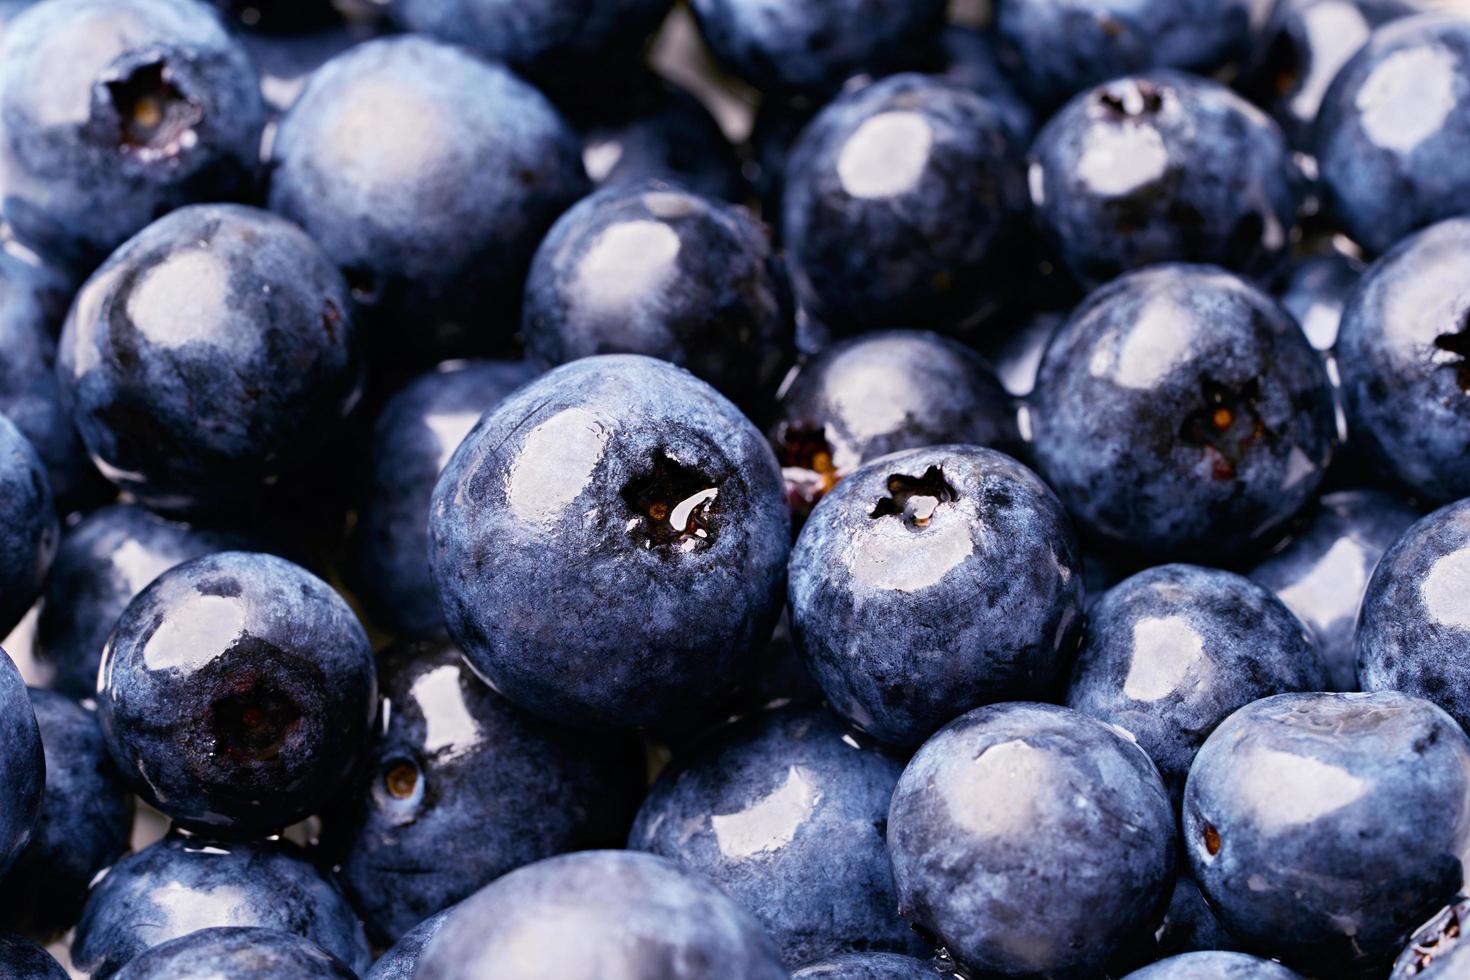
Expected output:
(1005, 515)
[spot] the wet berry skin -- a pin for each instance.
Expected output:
(927, 176)
(19, 957)
(1323, 828)
(609, 545)
(1404, 353)
(1164, 167)
(28, 527)
(994, 816)
(117, 111)
(932, 581)
(1394, 129)
(402, 958)
(1437, 951)
(209, 355)
(1323, 572)
(22, 765)
(106, 559)
(1182, 415)
(879, 393)
(1214, 965)
(823, 885)
(871, 966)
(453, 171)
(1174, 650)
(447, 786)
(178, 886)
(84, 825)
(600, 914)
(653, 269)
(417, 431)
(238, 952)
(236, 693)
(1415, 619)
(1316, 292)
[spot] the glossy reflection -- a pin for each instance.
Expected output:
(786, 811)
(1323, 572)
(931, 581)
(1316, 293)
(1172, 651)
(1324, 827)
(990, 821)
(29, 531)
(1181, 414)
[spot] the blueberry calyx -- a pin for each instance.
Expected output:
(253, 725)
(1226, 425)
(673, 505)
(806, 464)
(1436, 939)
(915, 499)
(1457, 344)
(155, 117)
(1133, 99)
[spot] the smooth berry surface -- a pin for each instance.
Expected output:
(402, 958)
(241, 953)
(870, 966)
(20, 957)
(1214, 966)
(22, 765)
(29, 531)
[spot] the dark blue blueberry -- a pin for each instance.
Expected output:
(609, 545)
(1322, 828)
(1016, 355)
(1300, 50)
(179, 886)
(872, 966)
(21, 959)
(400, 961)
(932, 581)
(450, 782)
(210, 354)
(967, 58)
(1317, 290)
(902, 204)
(811, 47)
(1056, 48)
(1413, 632)
(85, 822)
(1404, 354)
(1182, 415)
(22, 765)
(29, 530)
(1214, 966)
(277, 16)
(1323, 572)
(239, 953)
(787, 811)
(118, 111)
(1436, 950)
(428, 176)
(287, 61)
(1172, 651)
(1032, 841)
(236, 693)
(1164, 167)
(413, 438)
(600, 914)
(1394, 130)
(1189, 925)
(877, 394)
(656, 270)
(105, 560)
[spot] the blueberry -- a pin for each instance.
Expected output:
(1404, 353)
(967, 58)
(287, 61)
(240, 953)
(1032, 840)
(1016, 354)
(1435, 951)
(600, 914)
(1300, 50)
(1317, 290)
(277, 16)
(28, 527)
(24, 960)
(117, 111)
(428, 176)
(105, 560)
(414, 436)
(400, 961)
(810, 47)
(1213, 966)
(787, 811)
(609, 545)
(926, 176)
(179, 886)
(931, 581)
(1164, 167)
(1394, 129)
(448, 786)
(1415, 618)
(880, 393)
(1189, 925)
(22, 765)
(652, 269)
(871, 966)
(210, 354)
(1173, 651)
(1182, 415)
(84, 825)
(236, 693)
(1322, 828)
(1322, 574)
(1056, 48)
